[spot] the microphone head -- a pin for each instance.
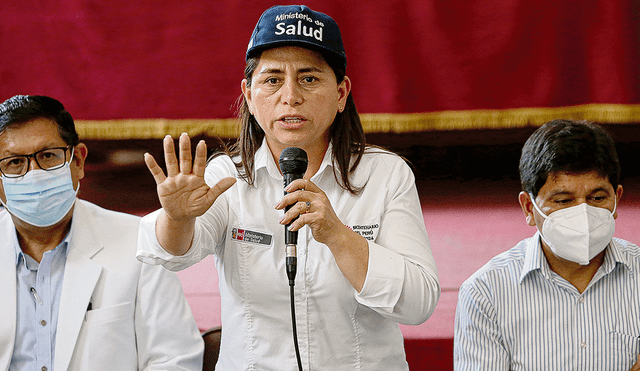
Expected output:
(293, 160)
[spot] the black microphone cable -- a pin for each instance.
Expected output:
(295, 333)
(293, 164)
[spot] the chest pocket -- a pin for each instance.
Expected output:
(629, 344)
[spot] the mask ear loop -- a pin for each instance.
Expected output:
(73, 153)
(535, 204)
(68, 164)
(615, 205)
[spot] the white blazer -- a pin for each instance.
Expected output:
(139, 320)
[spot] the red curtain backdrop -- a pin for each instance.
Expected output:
(184, 59)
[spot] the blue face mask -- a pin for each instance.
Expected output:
(41, 198)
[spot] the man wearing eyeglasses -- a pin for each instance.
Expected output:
(73, 295)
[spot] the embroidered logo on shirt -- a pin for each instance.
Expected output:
(250, 236)
(366, 231)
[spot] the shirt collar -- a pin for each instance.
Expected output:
(20, 254)
(614, 256)
(264, 160)
(263, 157)
(327, 161)
(534, 258)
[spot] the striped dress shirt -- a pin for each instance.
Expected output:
(514, 313)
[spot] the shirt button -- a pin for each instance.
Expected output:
(44, 368)
(583, 345)
(581, 300)
(43, 323)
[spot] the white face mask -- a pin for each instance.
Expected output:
(577, 233)
(41, 198)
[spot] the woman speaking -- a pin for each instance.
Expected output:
(364, 261)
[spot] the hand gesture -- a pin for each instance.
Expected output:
(183, 192)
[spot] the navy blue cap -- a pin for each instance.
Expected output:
(283, 25)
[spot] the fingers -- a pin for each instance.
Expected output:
(156, 171)
(295, 193)
(170, 156)
(299, 190)
(185, 164)
(221, 186)
(302, 214)
(302, 184)
(300, 208)
(200, 162)
(307, 203)
(302, 211)
(303, 207)
(185, 153)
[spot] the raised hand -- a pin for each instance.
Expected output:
(183, 192)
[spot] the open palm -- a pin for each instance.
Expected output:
(183, 192)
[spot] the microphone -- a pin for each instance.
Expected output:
(293, 164)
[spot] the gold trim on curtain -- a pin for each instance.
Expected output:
(372, 122)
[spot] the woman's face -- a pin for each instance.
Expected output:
(294, 97)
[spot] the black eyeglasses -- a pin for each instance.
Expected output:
(47, 159)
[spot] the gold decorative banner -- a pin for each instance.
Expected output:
(373, 123)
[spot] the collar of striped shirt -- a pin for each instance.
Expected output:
(535, 261)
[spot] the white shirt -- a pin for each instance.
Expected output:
(338, 328)
(516, 314)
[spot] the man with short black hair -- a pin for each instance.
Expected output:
(74, 297)
(567, 298)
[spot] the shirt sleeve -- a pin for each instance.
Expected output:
(402, 278)
(478, 344)
(167, 336)
(151, 252)
(208, 234)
